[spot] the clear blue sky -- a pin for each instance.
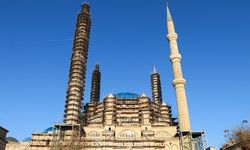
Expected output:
(128, 38)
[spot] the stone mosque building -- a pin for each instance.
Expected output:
(124, 120)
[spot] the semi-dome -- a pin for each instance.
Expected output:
(126, 95)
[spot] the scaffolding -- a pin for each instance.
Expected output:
(190, 140)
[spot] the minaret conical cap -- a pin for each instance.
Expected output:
(170, 22)
(169, 17)
(155, 71)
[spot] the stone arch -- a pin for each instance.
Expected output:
(127, 134)
(162, 135)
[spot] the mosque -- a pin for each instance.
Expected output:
(124, 120)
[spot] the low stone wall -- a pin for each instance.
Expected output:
(18, 145)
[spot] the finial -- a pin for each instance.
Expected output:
(143, 95)
(110, 95)
(86, 7)
(155, 71)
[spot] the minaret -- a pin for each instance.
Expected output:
(76, 83)
(95, 85)
(178, 82)
(156, 92)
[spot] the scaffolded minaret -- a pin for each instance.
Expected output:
(178, 82)
(156, 92)
(95, 86)
(76, 83)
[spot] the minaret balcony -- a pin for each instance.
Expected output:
(172, 36)
(175, 57)
(180, 81)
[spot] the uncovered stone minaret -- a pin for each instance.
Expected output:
(76, 82)
(156, 93)
(178, 82)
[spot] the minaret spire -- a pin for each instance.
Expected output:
(76, 83)
(170, 22)
(178, 82)
(169, 17)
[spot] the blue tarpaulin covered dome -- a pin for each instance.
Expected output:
(126, 95)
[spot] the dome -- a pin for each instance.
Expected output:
(127, 95)
(11, 139)
(28, 139)
(50, 129)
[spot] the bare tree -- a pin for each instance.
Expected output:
(238, 137)
(63, 141)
